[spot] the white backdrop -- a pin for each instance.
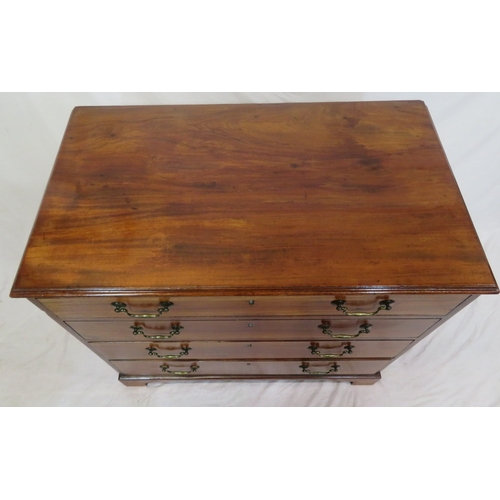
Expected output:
(42, 365)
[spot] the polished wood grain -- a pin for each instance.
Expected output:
(404, 305)
(250, 368)
(251, 350)
(312, 198)
(252, 329)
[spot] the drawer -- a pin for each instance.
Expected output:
(305, 368)
(151, 307)
(251, 350)
(253, 329)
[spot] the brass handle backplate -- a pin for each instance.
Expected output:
(305, 369)
(314, 350)
(326, 325)
(165, 368)
(184, 352)
(384, 305)
(122, 307)
(176, 329)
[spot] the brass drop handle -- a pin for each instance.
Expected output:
(176, 329)
(184, 352)
(384, 305)
(122, 307)
(325, 326)
(314, 350)
(305, 369)
(165, 368)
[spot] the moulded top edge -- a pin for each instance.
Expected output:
(240, 291)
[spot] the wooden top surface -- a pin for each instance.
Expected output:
(252, 199)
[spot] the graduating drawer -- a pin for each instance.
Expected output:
(367, 305)
(253, 329)
(253, 350)
(303, 368)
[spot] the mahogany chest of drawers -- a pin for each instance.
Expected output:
(292, 241)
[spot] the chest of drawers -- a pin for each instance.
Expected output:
(297, 241)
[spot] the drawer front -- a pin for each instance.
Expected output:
(151, 307)
(305, 368)
(252, 329)
(254, 350)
